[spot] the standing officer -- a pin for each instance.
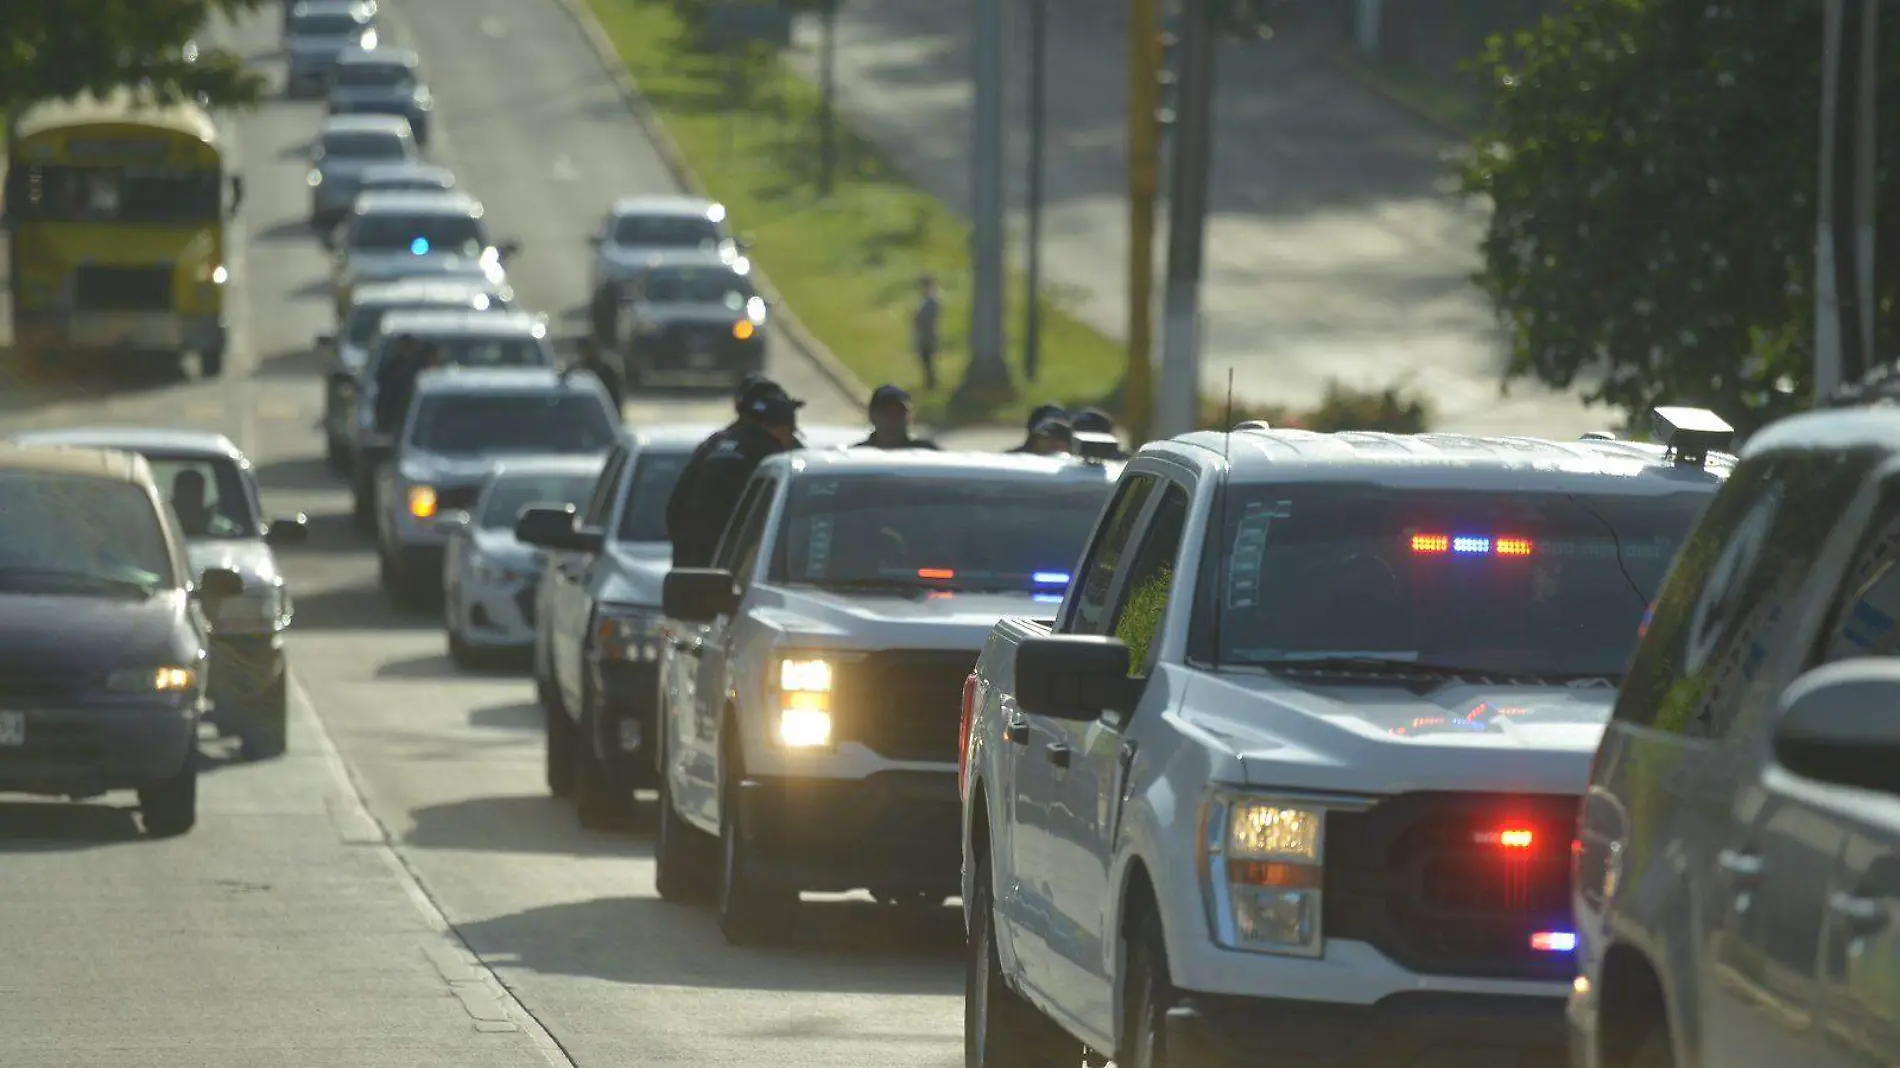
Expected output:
(890, 422)
(710, 484)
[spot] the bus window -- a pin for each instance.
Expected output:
(117, 194)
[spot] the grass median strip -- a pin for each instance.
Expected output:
(848, 263)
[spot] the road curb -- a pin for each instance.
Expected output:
(808, 346)
(1355, 71)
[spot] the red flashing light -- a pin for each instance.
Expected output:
(1507, 838)
(1431, 543)
(941, 573)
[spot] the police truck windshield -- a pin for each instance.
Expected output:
(654, 476)
(910, 533)
(520, 422)
(1547, 585)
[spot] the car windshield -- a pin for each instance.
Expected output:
(326, 24)
(474, 350)
(373, 76)
(514, 422)
(209, 496)
(973, 534)
(360, 145)
(73, 534)
(367, 319)
(1518, 583)
(643, 518)
(420, 234)
(711, 286)
(667, 231)
(508, 494)
(408, 183)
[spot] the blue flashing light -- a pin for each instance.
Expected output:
(1467, 544)
(1051, 578)
(420, 246)
(1554, 942)
(1048, 598)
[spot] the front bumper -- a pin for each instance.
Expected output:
(711, 350)
(86, 751)
(164, 333)
(1410, 1030)
(496, 615)
(247, 672)
(895, 832)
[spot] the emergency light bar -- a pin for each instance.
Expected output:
(1469, 545)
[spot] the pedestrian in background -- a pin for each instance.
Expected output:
(924, 329)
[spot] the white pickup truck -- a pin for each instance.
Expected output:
(1292, 777)
(809, 679)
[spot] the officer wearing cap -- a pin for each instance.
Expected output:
(406, 359)
(1049, 432)
(890, 422)
(710, 484)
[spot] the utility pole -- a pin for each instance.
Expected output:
(1866, 144)
(1828, 369)
(827, 99)
(1038, 134)
(1144, 63)
(1844, 234)
(987, 374)
(1179, 408)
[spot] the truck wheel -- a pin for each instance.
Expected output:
(560, 755)
(211, 363)
(1654, 1052)
(335, 456)
(749, 914)
(680, 867)
(267, 727)
(170, 808)
(1146, 996)
(1000, 1029)
(601, 801)
(364, 510)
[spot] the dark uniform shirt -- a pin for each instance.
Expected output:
(709, 488)
(908, 443)
(396, 387)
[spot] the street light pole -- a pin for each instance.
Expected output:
(1180, 395)
(828, 91)
(987, 375)
(1038, 132)
(1144, 180)
(1828, 357)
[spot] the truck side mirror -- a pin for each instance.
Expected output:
(698, 594)
(1836, 725)
(547, 526)
(1074, 676)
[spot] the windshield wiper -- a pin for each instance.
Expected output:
(1394, 664)
(17, 576)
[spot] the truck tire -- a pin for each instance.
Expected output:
(211, 363)
(1147, 993)
(267, 727)
(1000, 1029)
(681, 866)
(602, 801)
(749, 914)
(170, 808)
(560, 743)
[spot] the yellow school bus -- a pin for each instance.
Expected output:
(115, 213)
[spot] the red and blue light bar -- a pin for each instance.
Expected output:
(1469, 545)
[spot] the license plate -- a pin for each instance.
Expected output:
(12, 728)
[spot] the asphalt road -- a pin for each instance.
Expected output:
(399, 891)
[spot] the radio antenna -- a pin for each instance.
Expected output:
(1219, 541)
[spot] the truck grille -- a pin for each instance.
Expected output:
(904, 704)
(123, 288)
(1409, 877)
(454, 498)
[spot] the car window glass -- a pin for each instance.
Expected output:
(207, 495)
(361, 145)
(601, 501)
(727, 549)
(508, 495)
(751, 536)
(1864, 616)
(474, 423)
(1731, 598)
(1143, 601)
(80, 535)
(419, 233)
(655, 475)
(1096, 583)
(666, 231)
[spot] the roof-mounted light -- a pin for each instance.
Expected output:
(1690, 434)
(1094, 446)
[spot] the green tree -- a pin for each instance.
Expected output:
(52, 49)
(1651, 166)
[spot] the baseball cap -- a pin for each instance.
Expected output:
(890, 395)
(752, 385)
(1045, 412)
(1094, 420)
(769, 401)
(1055, 426)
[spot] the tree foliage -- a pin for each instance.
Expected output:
(54, 49)
(1652, 168)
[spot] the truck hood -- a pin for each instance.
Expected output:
(1378, 740)
(388, 266)
(443, 469)
(885, 621)
(249, 557)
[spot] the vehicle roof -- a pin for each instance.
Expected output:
(121, 105)
(821, 458)
(363, 122)
(560, 463)
(379, 57)
(1449, 461)
(446, 289)
(114, 464)
(1873, 427)
(665, 205)
(330, 7)
(418, 202)
(696, 259)
(206, 443)
(407, 169)
(495, 380)
(451, 319)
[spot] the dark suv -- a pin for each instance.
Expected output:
(1737, 860)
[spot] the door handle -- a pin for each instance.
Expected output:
(1741, 867)
(1017, 729)
(1862, 915)
(1059, 754)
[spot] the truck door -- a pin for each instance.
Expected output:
(568, 594)
(709, 658)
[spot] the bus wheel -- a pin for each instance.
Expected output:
(211, 363)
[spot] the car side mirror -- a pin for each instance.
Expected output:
(291, 530)
(1074, 676)
(552, 527)
(698, 594)
(1837, 725)
(453, 522)
(218, 584)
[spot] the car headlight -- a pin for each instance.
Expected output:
(800, 692)
(628, 635)
(259, 608)
(1261, 866)
(162, 679)
(422, 501)
(315, 178)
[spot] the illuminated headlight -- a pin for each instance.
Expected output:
(214, 274)
(152, 680)
(315, 178)
(1261, 870)
(802, 697)
(628, 635)
(422, 501)
(259, 608)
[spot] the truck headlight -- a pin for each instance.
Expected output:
(165, 679)
(802, 697)
(422, 501)
(314, 178)
(1261, 867)
(261, 608)
(626, 634)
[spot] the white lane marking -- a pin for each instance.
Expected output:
(481, 985)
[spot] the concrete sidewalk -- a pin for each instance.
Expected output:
(1336, 249)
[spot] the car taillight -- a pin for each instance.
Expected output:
(963, 731)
